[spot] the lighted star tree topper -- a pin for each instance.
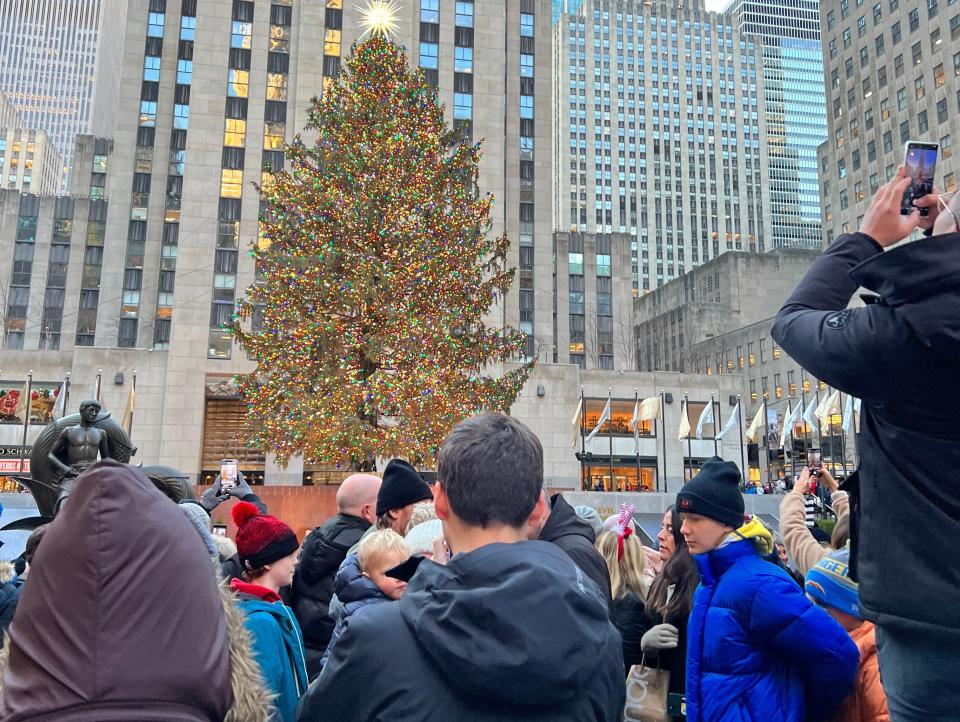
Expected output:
(377, 271)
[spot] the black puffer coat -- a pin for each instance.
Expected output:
(322, 553)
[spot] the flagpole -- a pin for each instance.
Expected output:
(583, 443)
(613, 486)
(130, 430)
(829, 433)
(26, 419)
(843, 438)
(803, 401)
(820, 425)
(66, 393)
(766, 435)
(663, 436)
(99, 379)
(743, 457)
(686, 410)
(712, 409)
(636, 437)
(793, 446)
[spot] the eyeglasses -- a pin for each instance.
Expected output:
(944, 201)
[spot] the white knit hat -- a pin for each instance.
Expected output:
(420, 539)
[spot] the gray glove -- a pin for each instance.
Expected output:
(213, 497)
(241, 489)
(662, 636)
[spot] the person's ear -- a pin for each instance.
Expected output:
(441, 502)
(538, 513)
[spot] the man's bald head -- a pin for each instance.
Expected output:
(357, 496)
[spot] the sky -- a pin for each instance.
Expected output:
(716, 4)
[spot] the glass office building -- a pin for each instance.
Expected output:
(794, 94)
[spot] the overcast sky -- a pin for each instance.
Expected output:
(716, 4)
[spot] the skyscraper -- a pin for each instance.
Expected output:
(50, 52)
(205, 108)
(658, 120)
(789, 33)
(892, 73)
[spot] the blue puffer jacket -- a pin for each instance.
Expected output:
(355, 592)
(757, 649)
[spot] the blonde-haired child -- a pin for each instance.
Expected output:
(362, 581)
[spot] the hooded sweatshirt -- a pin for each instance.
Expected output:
(900, 356)
(576, 537)
(507, 631)
(122, 618)
(757, 648)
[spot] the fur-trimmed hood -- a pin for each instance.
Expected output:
(122, 618)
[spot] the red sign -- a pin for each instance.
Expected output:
(12, 466)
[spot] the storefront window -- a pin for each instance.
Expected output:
(625, 478)
(621, 414)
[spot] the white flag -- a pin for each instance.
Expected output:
(808, 415)
(128, 411)
(792, 418)
(684, 432)
(706, 417)
(755, 425)
(856, 414)
(604, 418)
(650, 408)
(635, 425)
(60, 404)
(21, 410)
(575, 425)
(731, 422)
(829, 406)
(848, 412)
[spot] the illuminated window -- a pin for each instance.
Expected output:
(280, 39)
(276, 86)
(231, 183)
(776, 351)
(236, 133)
(241, 36)
(238, 83)
(273, 135)
(331, 42)
(148, 113)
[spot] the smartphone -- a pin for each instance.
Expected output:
(229, 472)
(814, 461)
(220, 529)
(920, 165)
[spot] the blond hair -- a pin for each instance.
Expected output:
(380, 544)
(423, 511)
(626, 573)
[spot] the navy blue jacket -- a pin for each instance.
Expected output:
(505, 632)
(901, 356)
(355, 593)
(758, 649)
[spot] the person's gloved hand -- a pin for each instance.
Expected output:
(214, 497)
(662, 636)
(241, 489)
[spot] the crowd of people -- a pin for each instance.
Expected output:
(484, 597)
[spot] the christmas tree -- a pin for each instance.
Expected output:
(376, 275)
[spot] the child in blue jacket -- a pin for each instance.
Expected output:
(268, 552)
(757, 648)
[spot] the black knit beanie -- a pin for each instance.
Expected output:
(402, 485)
(714, 493)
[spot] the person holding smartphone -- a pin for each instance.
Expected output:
(899, 355)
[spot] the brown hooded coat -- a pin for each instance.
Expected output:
(122, 618)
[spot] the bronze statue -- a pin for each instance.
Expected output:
(81, 444)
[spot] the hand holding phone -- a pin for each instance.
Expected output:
(229, 472)
(919, 165)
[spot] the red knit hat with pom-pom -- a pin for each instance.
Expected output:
(261, 539)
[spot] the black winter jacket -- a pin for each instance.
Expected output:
(505, 632)
(575, 536)
(628, 614)
(901, 356)
(322, 553)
